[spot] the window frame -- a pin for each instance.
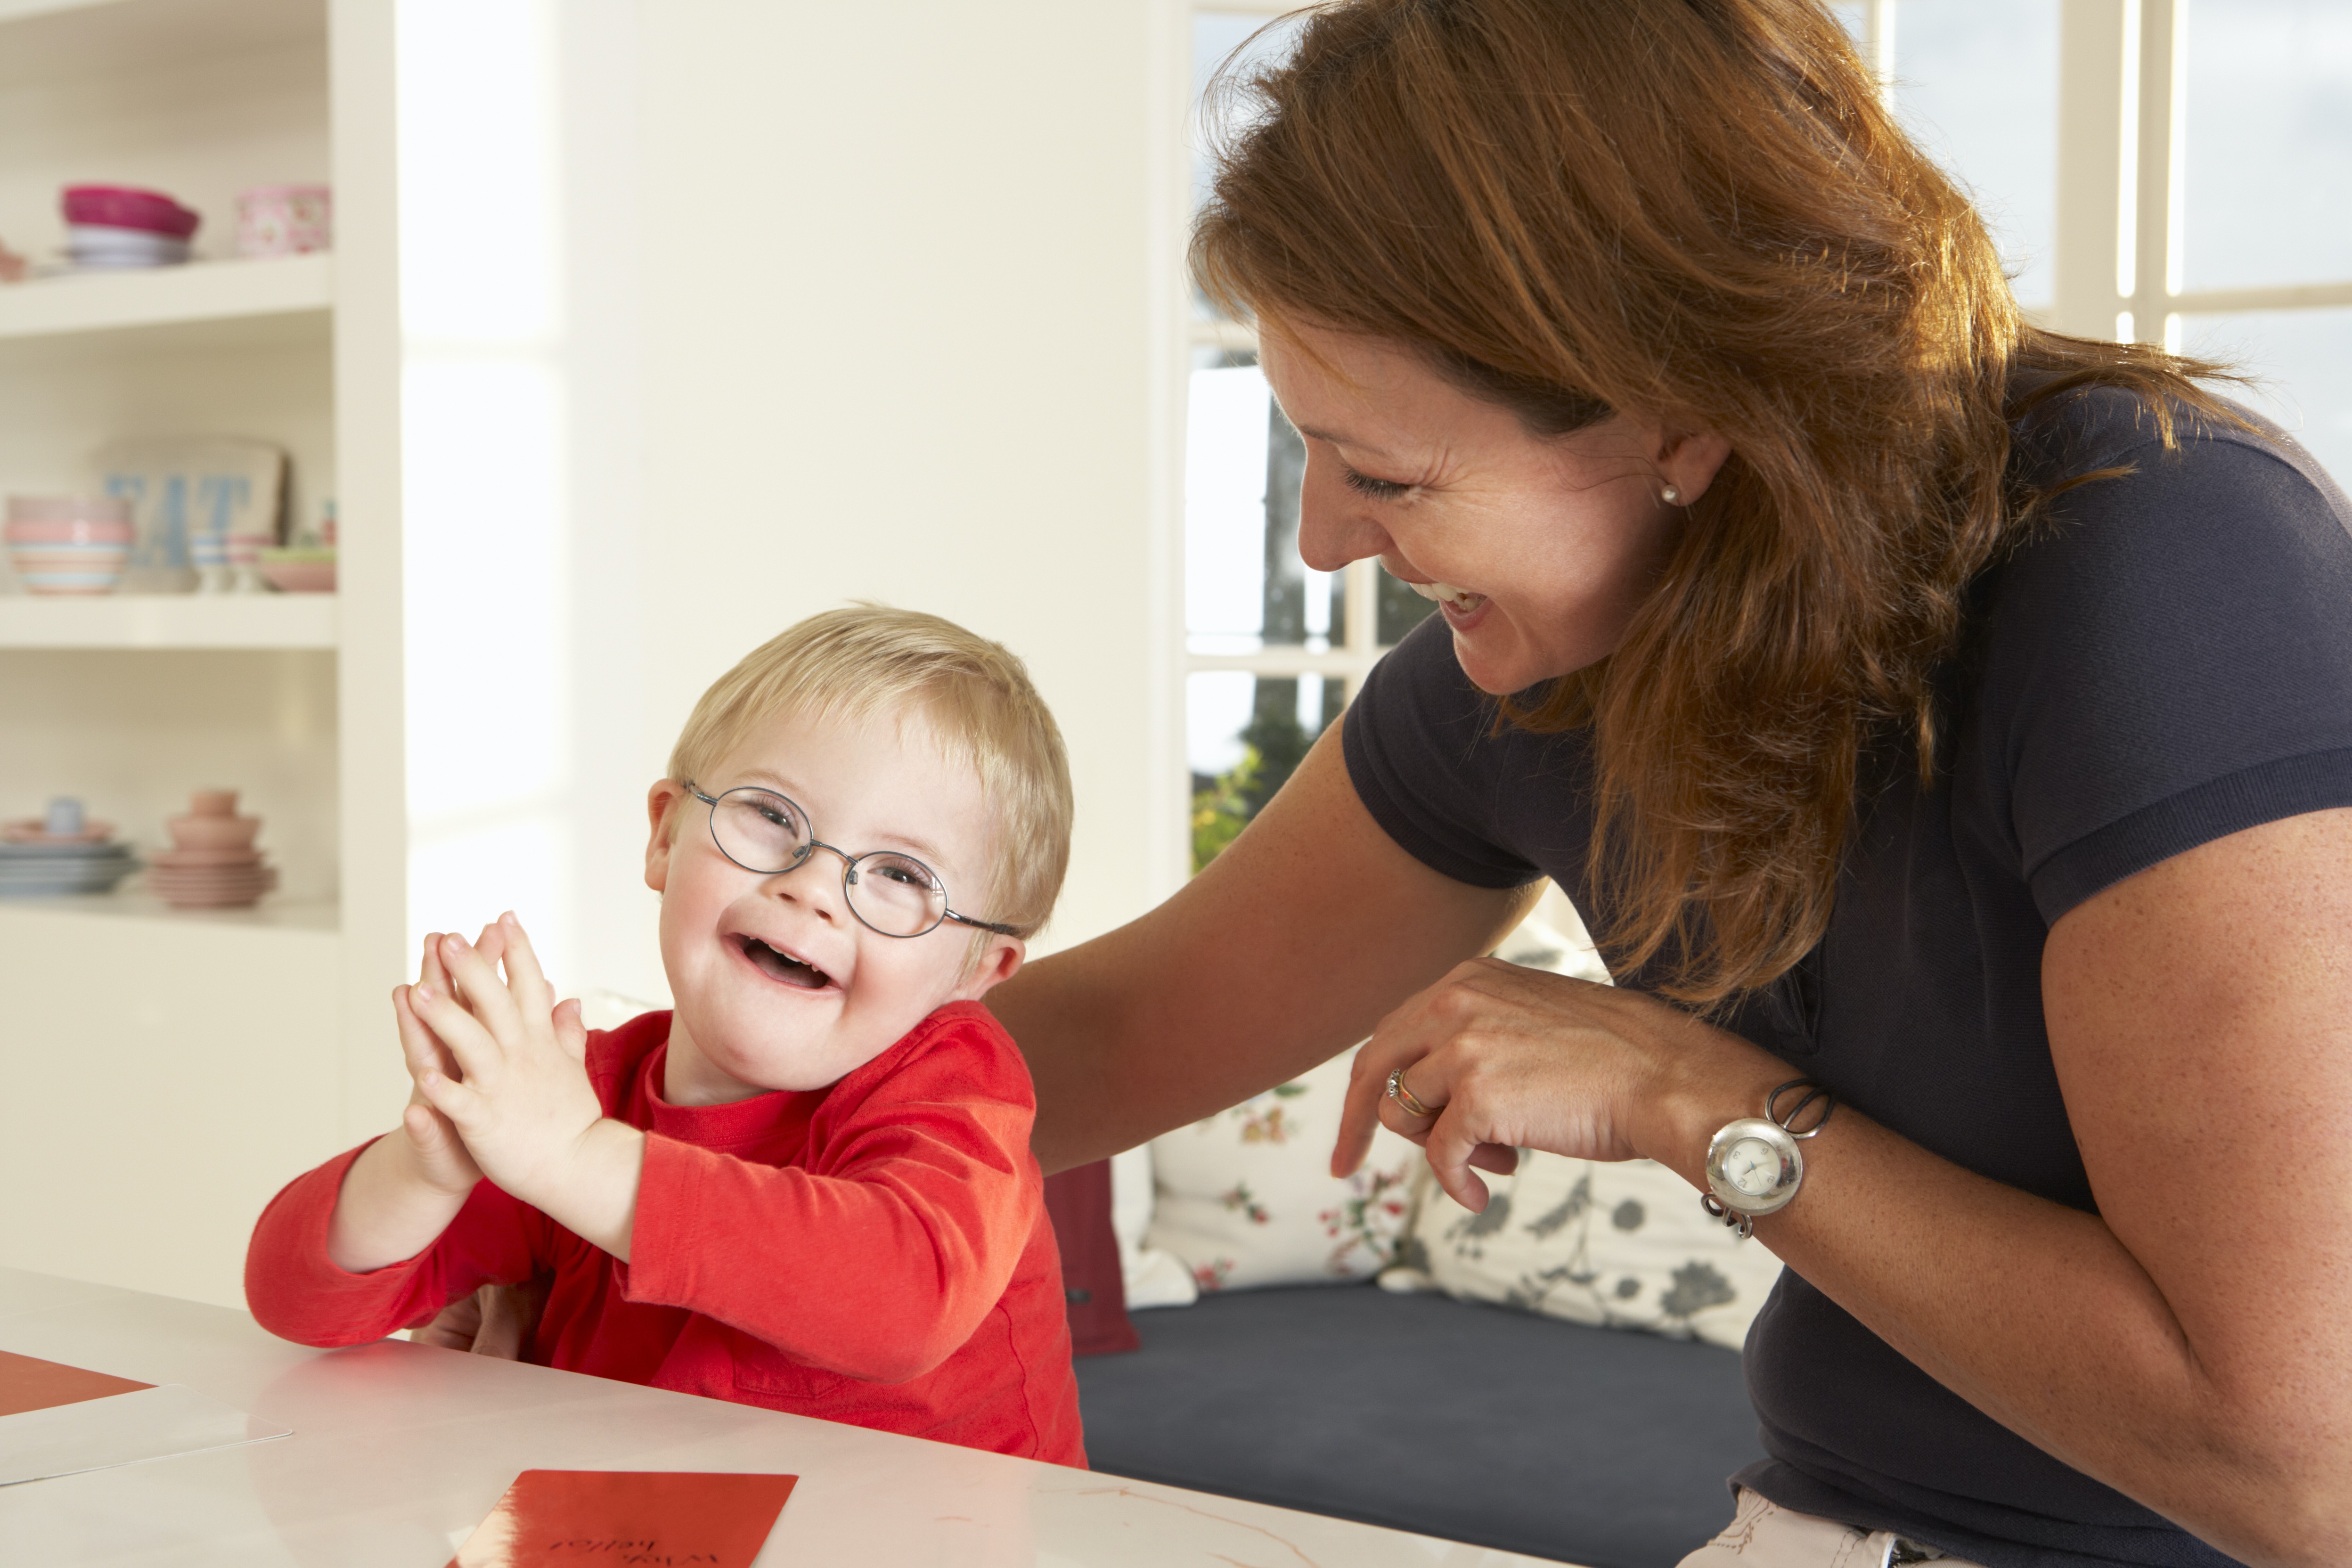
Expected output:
(2116, 255)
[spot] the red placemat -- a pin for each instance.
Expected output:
(560, 1517)
(27, 1383)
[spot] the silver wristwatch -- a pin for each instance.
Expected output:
(1754, 1165)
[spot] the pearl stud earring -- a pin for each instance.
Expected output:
(1671, 496)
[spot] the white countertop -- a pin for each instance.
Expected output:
(399, 1450)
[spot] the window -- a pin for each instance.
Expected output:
(2171, 170)
(1272, 649)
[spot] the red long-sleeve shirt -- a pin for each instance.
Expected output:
(877, 1252)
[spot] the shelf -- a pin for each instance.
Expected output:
(271, 914)
(167, 296)
(169, 621)
(47, 40)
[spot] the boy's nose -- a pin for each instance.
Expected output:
(815, 882)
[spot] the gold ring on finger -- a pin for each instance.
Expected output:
(1405, 1097)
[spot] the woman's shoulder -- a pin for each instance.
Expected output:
(2166, 655)
(2227, 519)
(2117, 431)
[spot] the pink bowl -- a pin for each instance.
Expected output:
(208, 832)
(127, 206)
(300, 576)
(39, 534)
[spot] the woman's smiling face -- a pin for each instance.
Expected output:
(1553, 540)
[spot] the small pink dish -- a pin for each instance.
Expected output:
(79, 532)
(127, 207)
(214, 832)
(33, 830)
(206, 862)
(299, 576)
(213, 803)
(207, 894)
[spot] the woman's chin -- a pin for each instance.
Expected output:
(1501, 668)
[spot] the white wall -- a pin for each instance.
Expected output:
(899, 277)
(830, 303)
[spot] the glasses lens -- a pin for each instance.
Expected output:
(897, 895)
(759, 831)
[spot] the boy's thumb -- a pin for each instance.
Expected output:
(569, 1031)
(424, 1129)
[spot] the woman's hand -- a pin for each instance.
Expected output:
(1505, 1057)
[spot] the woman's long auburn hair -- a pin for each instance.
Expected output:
(1701, 213)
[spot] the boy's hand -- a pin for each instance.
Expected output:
(437, 1152)
(520, 1097)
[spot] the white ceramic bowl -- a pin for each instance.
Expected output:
(101, 245)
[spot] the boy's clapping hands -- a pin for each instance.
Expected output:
(438, 1155)
(499, 1063)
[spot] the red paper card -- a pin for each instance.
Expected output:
(669, 1518)
(26, 1384)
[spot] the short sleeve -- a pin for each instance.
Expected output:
(1424, 754)
(2170, 661)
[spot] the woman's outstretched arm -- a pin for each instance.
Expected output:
(1283, 952)
(2187, 1345)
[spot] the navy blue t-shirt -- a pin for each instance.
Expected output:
(2168, 660)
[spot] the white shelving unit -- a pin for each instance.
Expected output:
(127, 621)
(168, 296)
(130, 702)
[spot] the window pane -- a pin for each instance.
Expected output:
(1215, 37)
(1977, 84)
(2305, 361)
(2268, 186)
(1244, 585)
(1245, 735)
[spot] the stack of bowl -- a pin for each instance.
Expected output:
(212, 864)
(61, 853)
(122, 225)
(68, 544)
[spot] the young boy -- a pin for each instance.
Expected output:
(809, 1187)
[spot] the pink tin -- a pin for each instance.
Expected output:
(285, 220)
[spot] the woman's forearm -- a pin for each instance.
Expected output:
(2037, 1315)
(1283, 952)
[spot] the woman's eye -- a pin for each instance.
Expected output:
(1364, 484)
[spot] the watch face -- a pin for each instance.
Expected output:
(1752, 1166)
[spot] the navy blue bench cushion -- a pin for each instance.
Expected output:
(1589, 1445)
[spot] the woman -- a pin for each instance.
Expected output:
(1951, 714)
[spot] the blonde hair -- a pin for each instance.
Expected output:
(855, 663)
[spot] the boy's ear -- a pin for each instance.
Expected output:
(999, 961)
(663, 803)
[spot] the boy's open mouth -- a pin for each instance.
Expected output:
(783, 966)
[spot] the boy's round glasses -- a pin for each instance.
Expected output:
(893, 894)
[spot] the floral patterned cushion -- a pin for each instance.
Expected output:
(1246, 1197)
(1613, 1246)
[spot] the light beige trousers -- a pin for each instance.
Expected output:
(1763, 1534)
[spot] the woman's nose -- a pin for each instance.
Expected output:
(1333, 529)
